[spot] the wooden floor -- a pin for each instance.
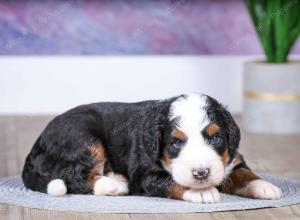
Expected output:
(264, 153)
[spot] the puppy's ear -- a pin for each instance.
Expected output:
(151, 132)
(232, 130)
(151, 141)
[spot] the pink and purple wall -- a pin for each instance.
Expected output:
(127, 27)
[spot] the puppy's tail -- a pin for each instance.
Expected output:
(37, 182)
(57, 187)
(33, 180)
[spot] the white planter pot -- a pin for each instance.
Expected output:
(271, 97)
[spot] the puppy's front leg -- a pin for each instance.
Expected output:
(209, 195)
(242, 181)
(161, 184)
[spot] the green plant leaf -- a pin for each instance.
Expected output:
(277, 23)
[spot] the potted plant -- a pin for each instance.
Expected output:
(272, 87)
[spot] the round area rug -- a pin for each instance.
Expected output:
(12, 191)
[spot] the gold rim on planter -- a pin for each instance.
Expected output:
(264, 96)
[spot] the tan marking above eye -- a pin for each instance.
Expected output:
(212, 129)
(180, 135)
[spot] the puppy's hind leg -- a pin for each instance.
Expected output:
(112, 184)
(102, 183)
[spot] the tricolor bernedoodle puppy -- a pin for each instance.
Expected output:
(185, 147)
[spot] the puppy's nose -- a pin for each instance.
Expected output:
(201, 174)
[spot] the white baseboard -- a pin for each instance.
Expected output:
(53, 84)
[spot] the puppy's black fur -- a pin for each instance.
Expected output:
(133, 135)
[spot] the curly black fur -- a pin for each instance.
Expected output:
(133, 135)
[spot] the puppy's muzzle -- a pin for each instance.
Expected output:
(201, 173)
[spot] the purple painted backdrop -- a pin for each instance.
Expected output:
(127, 27)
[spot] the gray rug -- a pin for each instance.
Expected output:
(12, 191)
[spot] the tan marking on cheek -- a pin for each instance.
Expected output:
(166, 158)
(176, 191)
(212, 129)
(225, 157)
(167, 161)
(97, 151)
(180, 135)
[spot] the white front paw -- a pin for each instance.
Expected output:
(260, 189)
(210, 195)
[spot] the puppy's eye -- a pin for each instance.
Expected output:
(177, 143)
(215, 140)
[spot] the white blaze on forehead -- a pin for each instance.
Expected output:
(192, 120)
(190, 109)
(196, 153)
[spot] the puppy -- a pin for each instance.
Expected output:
(185, 148)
